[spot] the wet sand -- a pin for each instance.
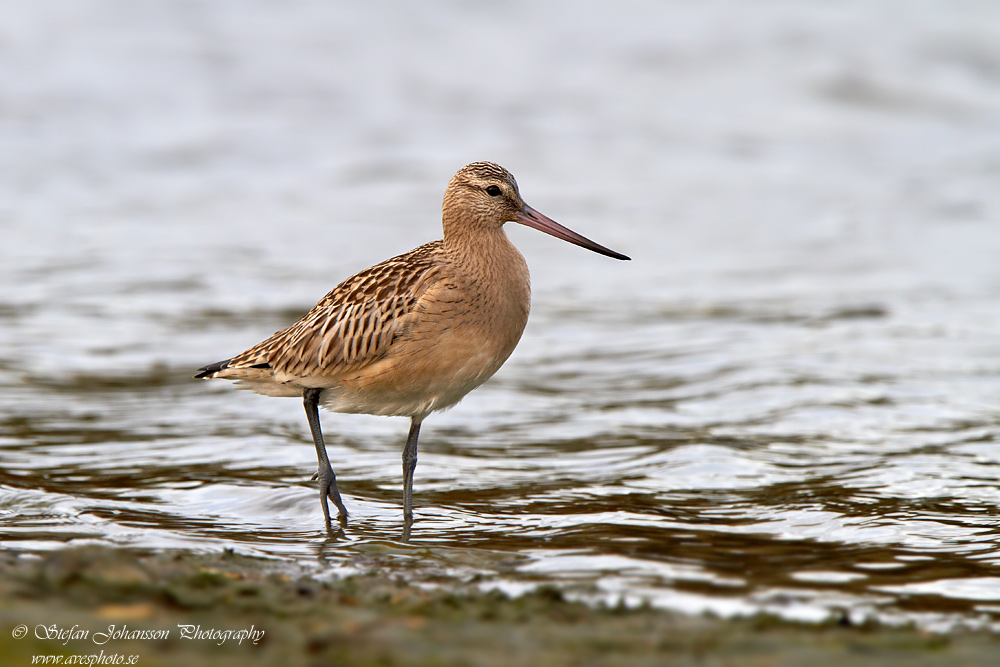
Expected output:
(371, 619)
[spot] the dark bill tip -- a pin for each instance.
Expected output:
(532, 218)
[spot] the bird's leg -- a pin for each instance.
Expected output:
(409, 465)
(327, 480)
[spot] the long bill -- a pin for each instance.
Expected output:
(532, 218)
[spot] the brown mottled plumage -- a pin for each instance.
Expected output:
(352, 326)
(415, 333)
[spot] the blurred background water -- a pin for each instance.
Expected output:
(788, 401)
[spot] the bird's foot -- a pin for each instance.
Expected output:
(328, 490)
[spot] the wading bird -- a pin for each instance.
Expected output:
(415, 333)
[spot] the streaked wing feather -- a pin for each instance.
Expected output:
(355, 323)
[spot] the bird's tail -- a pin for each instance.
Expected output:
(208, 372)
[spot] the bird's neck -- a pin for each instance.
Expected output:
(483, 248)
(485, 254)
(495, 276)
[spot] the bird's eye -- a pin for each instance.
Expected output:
(493, 191)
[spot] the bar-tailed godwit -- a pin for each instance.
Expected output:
(415, 333)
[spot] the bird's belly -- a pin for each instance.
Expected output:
(420, 376)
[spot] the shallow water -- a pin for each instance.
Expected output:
(788, 401)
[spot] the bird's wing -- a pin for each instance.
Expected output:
(352, 326)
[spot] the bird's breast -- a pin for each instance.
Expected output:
(461, 333)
